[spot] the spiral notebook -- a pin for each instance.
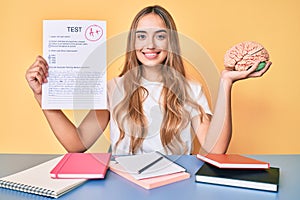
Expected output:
(37, 180)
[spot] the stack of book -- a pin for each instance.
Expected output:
(150, 170)
(238, 171)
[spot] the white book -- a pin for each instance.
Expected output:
(37, 180)
(148, 165)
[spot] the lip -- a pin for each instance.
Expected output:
(151, 55)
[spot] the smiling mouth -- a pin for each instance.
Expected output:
(151, 55)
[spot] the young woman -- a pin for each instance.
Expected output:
(151, 105)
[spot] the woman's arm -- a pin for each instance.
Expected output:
(78, 139)
(72, 138)
(214, 135)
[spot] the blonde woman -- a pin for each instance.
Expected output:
(151, 105)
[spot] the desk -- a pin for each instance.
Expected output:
(115, 187)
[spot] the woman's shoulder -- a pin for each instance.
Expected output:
(195, 86)
(115, 80)
(114, 83)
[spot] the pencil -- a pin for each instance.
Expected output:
(149, 165)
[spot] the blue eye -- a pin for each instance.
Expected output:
(161, 36)
(141, 36)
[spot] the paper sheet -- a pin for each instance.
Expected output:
(76, 54)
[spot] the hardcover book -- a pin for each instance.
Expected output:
(233, 161)
(82, 165)
(264, 179)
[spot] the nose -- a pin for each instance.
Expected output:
(150, 43)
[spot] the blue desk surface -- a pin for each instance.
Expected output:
(115, 187)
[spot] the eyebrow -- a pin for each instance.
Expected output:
(158, 31)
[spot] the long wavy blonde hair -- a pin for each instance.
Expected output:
(175, 93)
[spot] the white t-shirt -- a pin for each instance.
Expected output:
(154, 116)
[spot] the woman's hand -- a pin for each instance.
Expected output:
(36, 75)
(233, 76)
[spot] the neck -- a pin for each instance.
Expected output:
(152, 73)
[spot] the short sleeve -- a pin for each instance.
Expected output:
(198, 95)
(114, 92)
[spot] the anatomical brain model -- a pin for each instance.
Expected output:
(242, 56)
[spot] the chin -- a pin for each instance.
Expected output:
(151, 64)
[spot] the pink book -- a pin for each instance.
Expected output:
(233, 161)
(82, 165)
(150, 183)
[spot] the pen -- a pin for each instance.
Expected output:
(149, 165)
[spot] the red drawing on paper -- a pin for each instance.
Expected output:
(93, 33)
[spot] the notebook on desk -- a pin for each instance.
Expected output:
(37, 180)
(149, 183)
(82, 165)
(264, 179)
(149, 170)
(233, 161)
(148, 165)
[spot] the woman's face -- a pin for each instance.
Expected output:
(151, 40)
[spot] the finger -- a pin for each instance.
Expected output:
(249, 72)
(35, 77)
(39, 78)
(42, 60)
(42, 63)
(39, 64)
(36, 74)
(39, 61)
(268, 65)
(262, 71)
(253, 67)
(41, 67)
(34, 71)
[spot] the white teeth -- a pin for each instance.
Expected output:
(150, 55)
